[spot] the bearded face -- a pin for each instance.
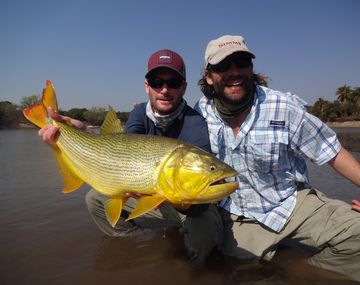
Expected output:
(233, 87)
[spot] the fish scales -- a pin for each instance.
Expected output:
(115, 162)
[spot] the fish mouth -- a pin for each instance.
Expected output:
(219, 189)
(222, 187)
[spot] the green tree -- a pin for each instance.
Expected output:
(95, 116)
(123, 116)
(9, 115)
(27, 101)
(76, 113)
(356, 96)
(344, 93)
(320, 109)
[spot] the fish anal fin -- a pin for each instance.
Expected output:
(113, 208)
(146, 204)
(111, 124)
(71, 181)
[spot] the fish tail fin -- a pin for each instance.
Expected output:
(49, 97)
(37, 113)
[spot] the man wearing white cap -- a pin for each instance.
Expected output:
(267, 135)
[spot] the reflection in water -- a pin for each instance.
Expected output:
(112, 253)
(48, 237)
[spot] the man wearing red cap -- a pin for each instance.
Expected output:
(165, 114)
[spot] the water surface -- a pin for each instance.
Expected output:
(48, 237)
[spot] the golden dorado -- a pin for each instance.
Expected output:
(113, 163)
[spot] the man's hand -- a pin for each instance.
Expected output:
(355, 205)
(49, 133)
(202, 234)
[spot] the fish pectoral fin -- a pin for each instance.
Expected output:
(71, 181)
(113, 208)
(146, 204)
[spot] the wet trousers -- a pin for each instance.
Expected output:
(201, 233)
(327, 225)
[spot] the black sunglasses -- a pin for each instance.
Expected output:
(224, 65)
(173, 83)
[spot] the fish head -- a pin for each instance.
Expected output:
(190, 175)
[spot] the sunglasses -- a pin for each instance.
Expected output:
(225, 65)
(173, 83)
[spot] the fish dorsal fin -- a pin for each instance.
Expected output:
(146, 204)
(49, 96)
(111, 124)
(113, 208)
(71, 181)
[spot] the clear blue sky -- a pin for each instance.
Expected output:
(96, 51)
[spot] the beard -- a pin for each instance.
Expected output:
(243, 91)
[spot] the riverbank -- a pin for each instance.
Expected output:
(347, 124)
(350, 140)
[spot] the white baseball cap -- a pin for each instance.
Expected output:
(222, 47)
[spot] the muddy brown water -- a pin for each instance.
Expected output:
(49, 238)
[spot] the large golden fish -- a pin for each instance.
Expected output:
(159, 168)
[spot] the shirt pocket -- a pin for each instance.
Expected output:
(265, 155)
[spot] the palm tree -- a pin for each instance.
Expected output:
(356, 96)
(356, 99)
(344, 93)
(320, 109)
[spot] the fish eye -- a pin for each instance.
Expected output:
(212, 167)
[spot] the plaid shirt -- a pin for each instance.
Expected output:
(269, 153)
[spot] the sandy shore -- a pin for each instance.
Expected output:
(348, 124)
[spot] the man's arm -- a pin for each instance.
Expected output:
(347, 165)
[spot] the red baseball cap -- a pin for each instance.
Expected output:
(166, 58)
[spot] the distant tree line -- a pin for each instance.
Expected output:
(346, 107)
(11, 115)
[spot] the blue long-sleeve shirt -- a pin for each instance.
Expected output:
(190, 127)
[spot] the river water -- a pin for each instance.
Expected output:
(47, 237)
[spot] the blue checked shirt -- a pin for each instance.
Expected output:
(269, 153)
